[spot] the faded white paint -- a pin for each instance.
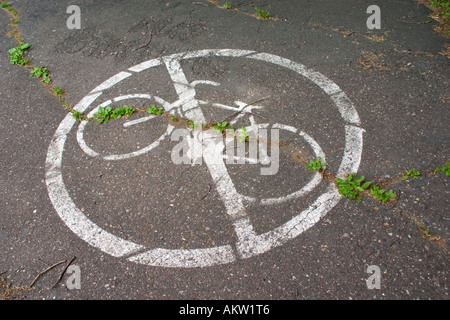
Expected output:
(249, 242)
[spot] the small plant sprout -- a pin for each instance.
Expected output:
(411, 174)
(194, 125)
(444, 6)
(40, 72)
(228, 5)
(173, 118)
(381, 194)
(6, 4)
(103, 115)
(445, 168)
(155, 110)
(65, 104)
(316, 165)
(77, 115)
(58, 91)
(353, 187)
(221, 126)
(16, 54)
(122, 111)
(243, 135)
(262, 13)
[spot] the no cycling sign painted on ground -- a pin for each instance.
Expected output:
(249, 242)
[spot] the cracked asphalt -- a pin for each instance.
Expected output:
(397, 80)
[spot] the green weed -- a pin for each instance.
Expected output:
(411, 174)
(16, 54)
(353, 187)
(381, 194)
(122, 111)
(316, 165)
(444, 6)
(155, 110)
(8, 6)
(40, 72)
(221, 126)
(104, 114)
(193, 125)
(445, 168)
(5, 4)
(243, 135)
(58, 91)
(77, 115)
(262, 13)
(228, 5)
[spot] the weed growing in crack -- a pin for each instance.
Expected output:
(353, 187)
(193, 125)
(243, 135)
(58, 91)
(65, 104)
(228, 5)
(122, 111)
(17, 54)
(40, 72)
(6, 5)
(411, 174)
(221, 126)
(444, 6)
(155, 110)
(445, 168)
(262, 13)
(316, 165)
(104, 114)
(77, 115)
(381, 194)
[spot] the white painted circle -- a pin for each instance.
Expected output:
(249, 243)
(89, 151)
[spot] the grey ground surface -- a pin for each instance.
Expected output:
(396, 78)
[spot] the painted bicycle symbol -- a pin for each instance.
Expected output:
(188, 106)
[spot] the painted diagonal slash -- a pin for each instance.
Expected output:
(232, 200)
(249, 243)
